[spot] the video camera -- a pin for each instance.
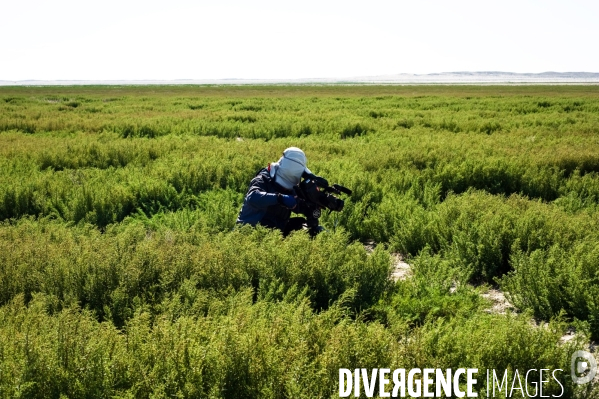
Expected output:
(318, 195)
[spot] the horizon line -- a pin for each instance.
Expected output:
(406, 78)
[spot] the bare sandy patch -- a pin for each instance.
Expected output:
(401, 269)
(499, 303)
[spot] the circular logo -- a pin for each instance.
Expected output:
(316, 213)
(579, 367)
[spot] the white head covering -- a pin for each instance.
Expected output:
(288, 170)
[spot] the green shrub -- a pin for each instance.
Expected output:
(122, 273)
(554, 280)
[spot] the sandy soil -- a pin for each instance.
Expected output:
(500, 304)
(401, 269)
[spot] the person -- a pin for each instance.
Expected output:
(271, 196)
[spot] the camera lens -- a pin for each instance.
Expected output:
(334, 203)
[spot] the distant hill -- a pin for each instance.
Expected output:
(490, 77)
(487, 77)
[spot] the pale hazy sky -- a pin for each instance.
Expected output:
(263, 39)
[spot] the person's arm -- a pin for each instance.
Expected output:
(258, 195)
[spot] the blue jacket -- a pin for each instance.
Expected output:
(261, 203)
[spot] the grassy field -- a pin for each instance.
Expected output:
(122, 276)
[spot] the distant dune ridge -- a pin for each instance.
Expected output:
(403, 78)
